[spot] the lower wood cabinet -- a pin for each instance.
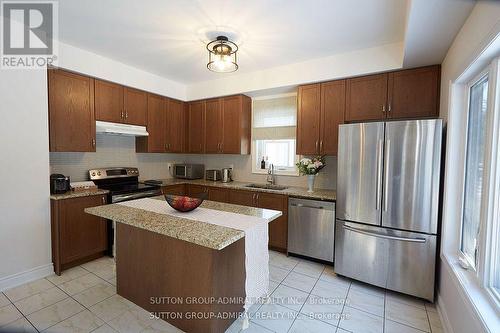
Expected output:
(77, 237)
(243, 198)
(197, 191)
(177, 189)
(218, 194)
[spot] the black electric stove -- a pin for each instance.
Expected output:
(122, 184)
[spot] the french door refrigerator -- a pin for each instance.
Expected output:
(387, 204)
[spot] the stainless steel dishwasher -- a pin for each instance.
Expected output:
(311, 228)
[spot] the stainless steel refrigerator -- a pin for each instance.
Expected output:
(387, 204)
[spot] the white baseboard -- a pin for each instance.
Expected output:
(18, 279)
(445, 321)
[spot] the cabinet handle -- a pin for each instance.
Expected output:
(383, 108)
(321, 146)
(389, 110)
(103, 200)
(93, 142)
(126, 114)
(316, 145)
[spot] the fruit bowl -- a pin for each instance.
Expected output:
(182, 203)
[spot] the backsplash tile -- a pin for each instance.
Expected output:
(119, 151)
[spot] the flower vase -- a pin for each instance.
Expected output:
(310, 183)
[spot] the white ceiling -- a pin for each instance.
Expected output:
(166, 37)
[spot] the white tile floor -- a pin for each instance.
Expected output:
(304, 297)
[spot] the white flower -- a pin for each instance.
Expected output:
(311, 166)
(305, 161)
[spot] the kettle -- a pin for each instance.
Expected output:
(227, 175)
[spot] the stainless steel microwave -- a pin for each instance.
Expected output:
(189, 171)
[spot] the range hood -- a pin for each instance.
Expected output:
(120, 129)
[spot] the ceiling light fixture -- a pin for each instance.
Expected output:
(222, 55)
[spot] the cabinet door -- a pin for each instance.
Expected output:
(176, 125)
(218, 194)
(332, 115)
(414, 93)
(71, 112)
(156, 123)
(232, 109)
(197, 191)
(244, 198)
(108, 101)
(177, 189)
(135, 106)
(213, 126)
(278, 229)
(366, 98)
(196, 126)
(308, 118)
(81, 234)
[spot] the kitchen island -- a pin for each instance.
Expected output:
(188, 271)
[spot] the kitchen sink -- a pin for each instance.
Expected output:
(268, 187)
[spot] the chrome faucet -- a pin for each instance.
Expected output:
(270, 174)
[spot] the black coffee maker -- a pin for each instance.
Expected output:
(59, 184)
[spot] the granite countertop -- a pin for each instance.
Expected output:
(197, 232)
(292, 191)
(78, 194)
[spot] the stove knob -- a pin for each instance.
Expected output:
(99, 173)
(93, 173)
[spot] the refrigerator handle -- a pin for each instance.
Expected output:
(376, 234)
(379, 174)
(386, 172)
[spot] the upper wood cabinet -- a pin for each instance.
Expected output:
(109, 101)
(196, 126)
(213, 126)
(237, 124)
(366, 98)
(404, 94)
(71, 112)
(176, 126)
(157, 120)
(135, 104)
(220, 125)
(118, 104)
(414, 93)
(320, 111)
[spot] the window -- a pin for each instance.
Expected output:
(273, 134)
(480, 229)
(474, 169)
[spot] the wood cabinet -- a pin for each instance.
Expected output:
(157, 120)
(135, 104)
(71, 112)
(278, 229)
(220, 125)
(196, 126)
(213, 126)
(366, 98)
(197, 191)
(218, 194)
(320, 112)
(236, 124)
(243, 198)
(108, 101)
(77, 237)
(414, 93)
(118, 104)
(176, 189)
(175, 126)
(404, 94)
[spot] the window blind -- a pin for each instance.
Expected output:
(275, 118)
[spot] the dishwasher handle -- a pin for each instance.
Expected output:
(306, 206)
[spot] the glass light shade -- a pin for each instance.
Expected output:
(222, 55)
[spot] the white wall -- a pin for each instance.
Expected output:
(24, 194)
(483, 24)
(377, 59)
